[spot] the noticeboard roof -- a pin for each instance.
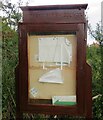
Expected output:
(54, 7)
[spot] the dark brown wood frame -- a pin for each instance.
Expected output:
(83, 72)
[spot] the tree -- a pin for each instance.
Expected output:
(97, 34)
(10, 18)
(95, 58)
(11, 13)
(10, 58)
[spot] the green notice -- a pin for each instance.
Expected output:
(64, 103)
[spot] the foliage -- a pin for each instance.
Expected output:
(98, 108)
(97, 33)
(0, 70)
(11, 13)
(9, 55)
(10, 58)
(95, 58)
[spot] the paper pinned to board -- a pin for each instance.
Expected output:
(52, 49)
(53, 76)
(64, 100)
(33, 92)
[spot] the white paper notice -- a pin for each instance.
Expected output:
(50, 50)
(64, 99)
(53, 76)
(33, 92)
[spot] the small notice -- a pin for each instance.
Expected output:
(64, 100)
(53, 76)
(33, 92)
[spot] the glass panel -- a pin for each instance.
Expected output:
(52, 69)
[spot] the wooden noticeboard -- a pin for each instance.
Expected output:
(52, 76)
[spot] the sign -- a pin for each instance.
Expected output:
(53, 76)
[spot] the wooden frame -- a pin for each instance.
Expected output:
(83, 71)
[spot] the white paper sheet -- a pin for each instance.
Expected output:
(53, 76)
(50, 50)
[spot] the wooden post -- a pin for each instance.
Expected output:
(19, 115)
